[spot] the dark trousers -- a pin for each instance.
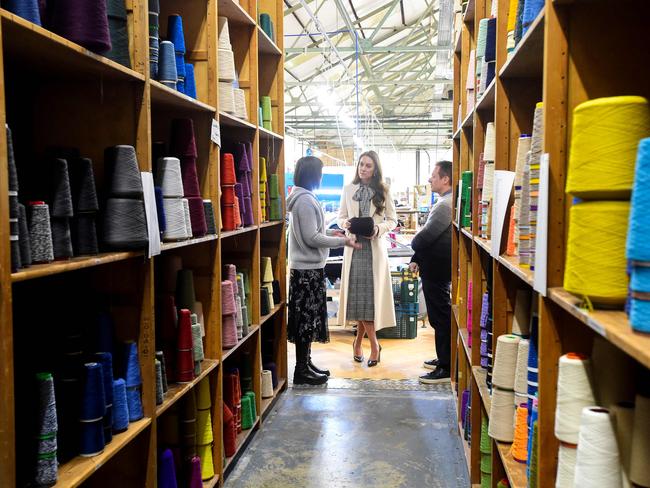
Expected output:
(438, 300)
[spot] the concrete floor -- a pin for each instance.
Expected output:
(359, 434)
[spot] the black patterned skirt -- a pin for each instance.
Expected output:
(307, 306)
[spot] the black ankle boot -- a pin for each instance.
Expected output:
(303, 375)
(313, 367)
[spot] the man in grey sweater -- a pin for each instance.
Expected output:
(432, 258)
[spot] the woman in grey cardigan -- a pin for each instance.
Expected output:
(308, 250)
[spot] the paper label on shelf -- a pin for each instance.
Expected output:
(151, 213)
(215, 133)
(541, 238)
(502, 188)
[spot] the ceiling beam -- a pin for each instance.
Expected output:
(370, 50)
(433, 81)
(383, 20)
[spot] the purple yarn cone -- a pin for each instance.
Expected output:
(82, 21)
(167, 470)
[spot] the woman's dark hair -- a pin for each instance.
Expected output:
(376, 182)
(308, 172)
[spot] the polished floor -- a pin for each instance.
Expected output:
(362, 431)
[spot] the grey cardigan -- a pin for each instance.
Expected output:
(308, 241)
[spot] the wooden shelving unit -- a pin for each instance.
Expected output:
(551, 64)
(76, 98)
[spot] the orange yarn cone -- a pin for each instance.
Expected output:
(519, 449)
(511, 250)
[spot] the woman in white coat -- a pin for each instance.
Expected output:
(366, 291)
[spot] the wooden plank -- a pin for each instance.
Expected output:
(234, 12)
(56, 267)
(527, 59)
(266, 225)
(485, 244)
(515, 471)
(275, 309)
(269, 135)
(480, 376)
(265, 44)
(252, 330)
(470, 11)
(243, 230)
(64, 58)
(454, 309)
(242, 437)
(612, 325)
(511, 263)
(166, 97)
(75, 472)
(177, 390)
(228, 120)
(464, 338)
(166, 246)
(211, 483)
(467, 233)
(486, 102)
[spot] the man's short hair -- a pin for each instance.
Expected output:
(444, 169)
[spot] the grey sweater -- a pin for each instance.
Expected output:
(308, 242)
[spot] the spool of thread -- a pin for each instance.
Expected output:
(197, 348)
(228, 304)
(183, 141)
(203, 427)
(531, 9)
(169, 177)
(251, 395)
(247, 419)
(240, 103)
(188, 425)
(596, 268)
(160, 209)
(229, 432)
(160, 356)
(175, 32)
(486, 442)
(194, 478)
(265, 302)
(639, 469)
(490, 41)
(519, 449)
(574, 393)
(224, 34)
(117, 27)
(180, 72)
(175, 216)
(160, 394)
(228, 176)
(638, 248)
(191, 186)
(502, 414)
(267, 112)
(267, 384)
(27, 9)
(521, 369)
(61, 194)
(167, 74)
(207, 462)
(226, 65)
(566, 465)
(40, 233)
(133, 381)
(120, 406)
(267, 270)
(167, 470)
(65, 18)
(45, 470)
(93, 409)
(597, 460)
(197, 216)
(23, 238)
(123, 172)
(605, 136)
(226, 95)
(273, 186)
(187, 217)
(154, 34)
(84, 234)
(125, 224)
(184, 352)
(503, 375)
(266, 24)
(106, 360)
(61, 238)
(190, 81)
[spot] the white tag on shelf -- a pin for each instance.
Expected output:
(215, 133)
(151, 213)
(503, 181)
(541, 239)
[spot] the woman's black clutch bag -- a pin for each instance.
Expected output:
(362, 226)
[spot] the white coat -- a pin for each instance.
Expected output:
(383, 291)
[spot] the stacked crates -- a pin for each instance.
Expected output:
(405, 296)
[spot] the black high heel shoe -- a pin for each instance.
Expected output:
(372, 362)
(358, 359)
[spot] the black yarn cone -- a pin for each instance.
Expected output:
(119, 36)
(61, 195)
(23, 237)
(123, 172)
(158, 150)
(84, 234)
(61, 238)
(11, 162)
(82, 179)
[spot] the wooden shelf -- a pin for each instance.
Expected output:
(57, 267)
(243, 230)
(268, 135)
(264, 318)
(486, 102)
(515, 471)
(212, 482)
(470, 11)
(75, 472)
(242, 437)
(266, 225)
(458, 44)
(234, 12)
(613, 325)
(265, 43)
(468, 121)
(454, 309)
(485, 244)
(177, 390)
(268, 402)
(226, 353)
(166, 246)
(512, 263)
(467, 450)
(464, 337)
(527, 59)
(455, 224)
(456, 135)
(228, 120)
(467, 233)
(168, 97)
(480, 376)
(40, 50)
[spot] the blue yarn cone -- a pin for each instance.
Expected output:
(27, 9)
(531, 10)
(133, 382)
(92, 438)
(180, 72)
(640, 315)
(93, 404)
(106, 360)
(175, 32)
(120, 408)
(167, 74)
(167, 470)
(104, 341)
(638, 245)
(160, 208)
(190, 81)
